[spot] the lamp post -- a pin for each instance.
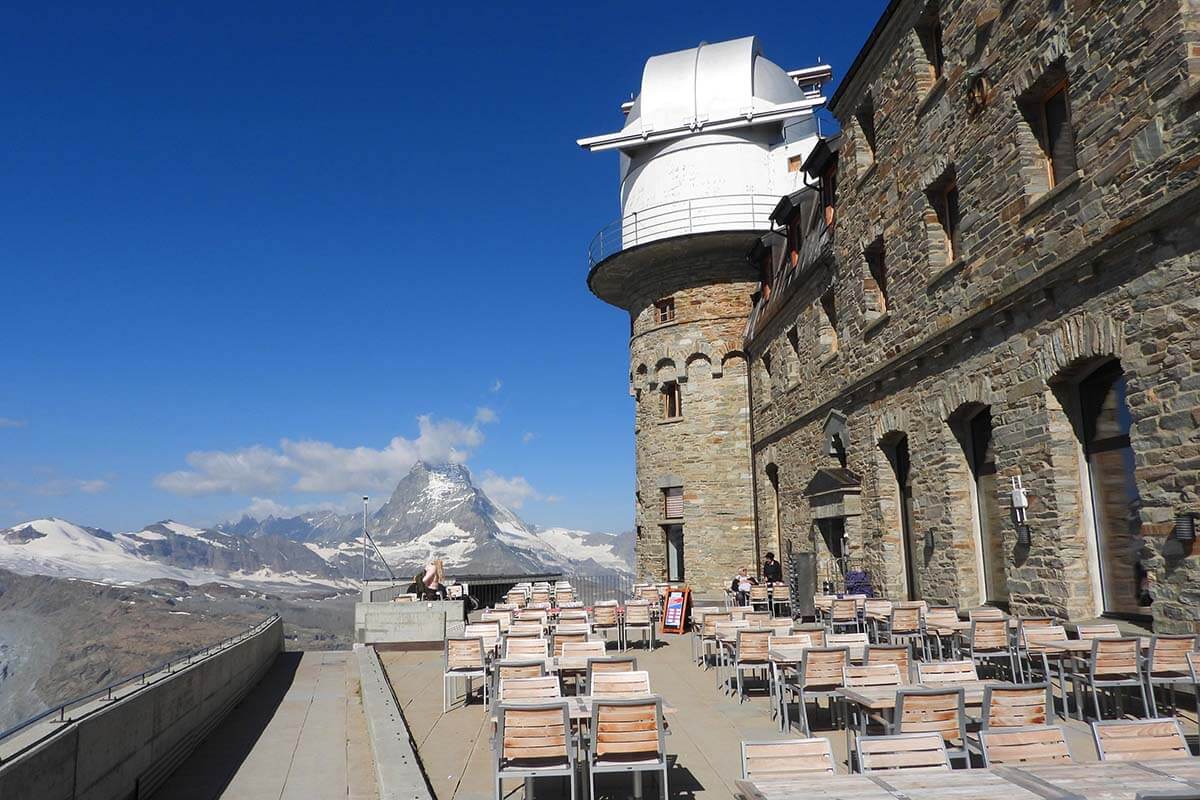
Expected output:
(364, 541)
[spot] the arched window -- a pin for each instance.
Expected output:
(989, 519)
(896, 449)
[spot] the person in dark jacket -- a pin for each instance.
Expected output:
(772, 570)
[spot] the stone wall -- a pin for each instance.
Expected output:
(1046, 285)
(706, 450)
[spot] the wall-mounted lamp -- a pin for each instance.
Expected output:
(1020, 503)
(1185, 528)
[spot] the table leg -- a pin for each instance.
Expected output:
(637, 785)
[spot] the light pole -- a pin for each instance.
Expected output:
(364, 553)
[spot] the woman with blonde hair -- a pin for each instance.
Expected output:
(435, 578)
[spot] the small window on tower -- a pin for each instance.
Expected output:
(673, 502)
(929, 32)
(664, 310)
(672, 400)
(795, 163)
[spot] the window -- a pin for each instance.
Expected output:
(674, 537)
(865, 115)
(829, 192)
(793, 337)
(897, 454)
(672, 400)
(1052, 127)
(875, 281)
(828, 323)
(929, 33)
(794, 163)
(944, 243)
(981, 456)
(664, 310)
(673, 502)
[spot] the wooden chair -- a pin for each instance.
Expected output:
(573, 627)
(559, 639)
(507, 669)
(584, 650)
(760, 597)
(779, 672)
(1036, 644)
(1115, 664)
(546, 687)
(534, 741)
(843, 614)
(1100, 630)
(986, 613)
(870, 675)
(935, 710)
(751, 656)
(609, 664)
(609, 685)
(1140, 739)
(876, 611)
(989, 643)
(503, 618)
(904, 627)
(466, 658)
(909, 751)
(822, 606)
(516, 598)
(781, 596)
(898, 654)
(1024, 746)
(627, 736)
(786, 758)
(605, 619)
(708, 633)
(540, 596)
(488, 631)
(526, 628)
(526, 647)
(1017, 705)
(938, 619)
(934, 672)
(638, 618)
(572, 615)
(1167, 665)
(757, 618)
(819, 675)
(855, 642)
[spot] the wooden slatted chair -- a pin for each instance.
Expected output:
(822, 606)
(781, 597)
(540, 596)
(516, 598)
(781, 672)
(488, 631)
(939, 630)
(1167, 665)
(986, 613)
(940, 711)
(904, 627)
(638, 617)
(563, 596)
(843, 615)
(528, 689)
(726, 639)
(503, 618)
(1099, 630)
(466, 658)
(1024, 746)
(854, 642)
(609, 664)
(708, 633)
(909, 751)
(559, 639)
(760, 597)
(1140, 739)
(786, 758)
(609, 685)
(526, 647)
(534, 741)
(1036, 644)
(876, 612)
(779, 627)
(1115, 664)
(757, 618)
(572, 615)
(605, 619)
(819, 675)
(751, 655)
(898, 654)
(935, 672)
(585, 650)
(627, 736)
(989, 643)
(868, 675)
(526, 628)
(509, 668)
(573, 627)
(1017, 705)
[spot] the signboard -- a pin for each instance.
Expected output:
(675, 607)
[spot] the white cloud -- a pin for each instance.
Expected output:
(497, 385)
(511, 492)
(9, 422)
(528, 437)
(263, 507)
(485, 415)
(316, 466)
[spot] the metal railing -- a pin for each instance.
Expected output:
(135, 682)
(727, 212)
(591, 589)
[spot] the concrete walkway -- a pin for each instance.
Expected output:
(299, 734)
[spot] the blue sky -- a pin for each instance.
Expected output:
(265, 254)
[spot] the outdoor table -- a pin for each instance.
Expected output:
(579, 706)
(1106, 780)
(1080, 651)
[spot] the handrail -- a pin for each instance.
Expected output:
(722, 212)
(186, 659)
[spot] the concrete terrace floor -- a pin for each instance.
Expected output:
(299, 734)
(706, 730)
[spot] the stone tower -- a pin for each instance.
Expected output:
(711, 142)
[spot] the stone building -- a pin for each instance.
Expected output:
(995, 276)
(714, 137)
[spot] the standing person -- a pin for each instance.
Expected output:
(772, 570)
(435, 578)
(740, 585)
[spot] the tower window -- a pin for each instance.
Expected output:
(827, 324)
(865, 115)
(672, 400)
(664, 310)
(1052, 127)
(929, 32)
(673, 502)
(943, 220)
(875, 287)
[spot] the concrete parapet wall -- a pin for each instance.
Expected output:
(126, 747)
(416, 625)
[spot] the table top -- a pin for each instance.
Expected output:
(1110, 780)
(792, 653)
(883, 698)
(1085, 645)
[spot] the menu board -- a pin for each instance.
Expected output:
(675, 606)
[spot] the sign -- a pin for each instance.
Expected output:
(675, 607)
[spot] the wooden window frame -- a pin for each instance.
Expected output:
(1042, 134)
(664, 310)
(668, 493)
(672, 394)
